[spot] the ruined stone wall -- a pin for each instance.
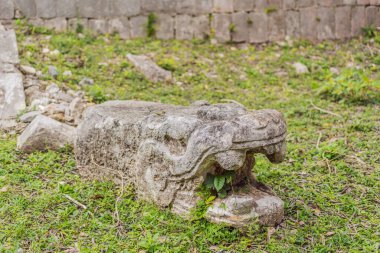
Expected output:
(253, 21)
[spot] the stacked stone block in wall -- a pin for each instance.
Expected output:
(253, 21)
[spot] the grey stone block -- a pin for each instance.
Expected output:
(223, 6)
(276, 25)
(45, 133)
(343, 22)
(372, 16)
(184, 27)
(12, 96)
(326, 23)
(244, 5)
(138, 26)
(240, 26)
(153, 5)
(46, 8)
(309, 23)
(150, 69)
(120, 26)
(26, 7)
(165, 26)
(7, 10)
(292, 22)
(305, 3)
(126, 8)
(57, 24)
(357, 20)
(99, 26)
(289, 4)
(8, 47)
(194, 7)
(201, 26)
(258, 31)
(221, 26)
(92, 8)
(67, 8)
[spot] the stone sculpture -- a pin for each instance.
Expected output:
(168, 151)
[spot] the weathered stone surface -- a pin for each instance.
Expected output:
(258, 31)
(73, 113)
(6, 9)
(91, 8)
(326, 24)
(292, 22)
(29, 116)
(244, 5)
(138, 27)
(12, 97)
(26, 7)
(184, 27)
(201, 27)
(241, 26)
(120, 26)
(168, 151)
(46, 8)
(45, 133)
(309, 23)
(276, 25)
(124, 8)
(99, 26)
(149, 68)
(357, 21)
(221, 25)
(342, 22)
(165, 27)
(224, 5)
(66, 9)
(57, 24)
(8, 47)
(27, 70)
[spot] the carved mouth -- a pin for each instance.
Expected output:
(243, 198)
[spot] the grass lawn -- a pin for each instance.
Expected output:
(330, 180)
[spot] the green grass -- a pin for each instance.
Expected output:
(330, 180)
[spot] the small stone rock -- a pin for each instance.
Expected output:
(52, 89)
(86, 81)
(27, 70)
(45, 133)
(40, 103)
(64, 97)
(45, 50)
(74, 111)
(29, 116)
(300, 68)
(335, 71)
(53, 72)
(67, 73)
(150, 69)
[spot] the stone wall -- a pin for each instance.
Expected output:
(253, 21)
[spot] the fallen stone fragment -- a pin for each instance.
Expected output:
(150, 69)
(86, 81)
(75, 110)
(12, 97)
(28, 70)
(52, 89)
(300, 68)
(8, 47)
(45, 133)
(168, 152)
(29, 116)
(53, 72)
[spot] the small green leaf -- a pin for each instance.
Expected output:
(209, 182)
(210, 199)
(222, 193)
(219, 182)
